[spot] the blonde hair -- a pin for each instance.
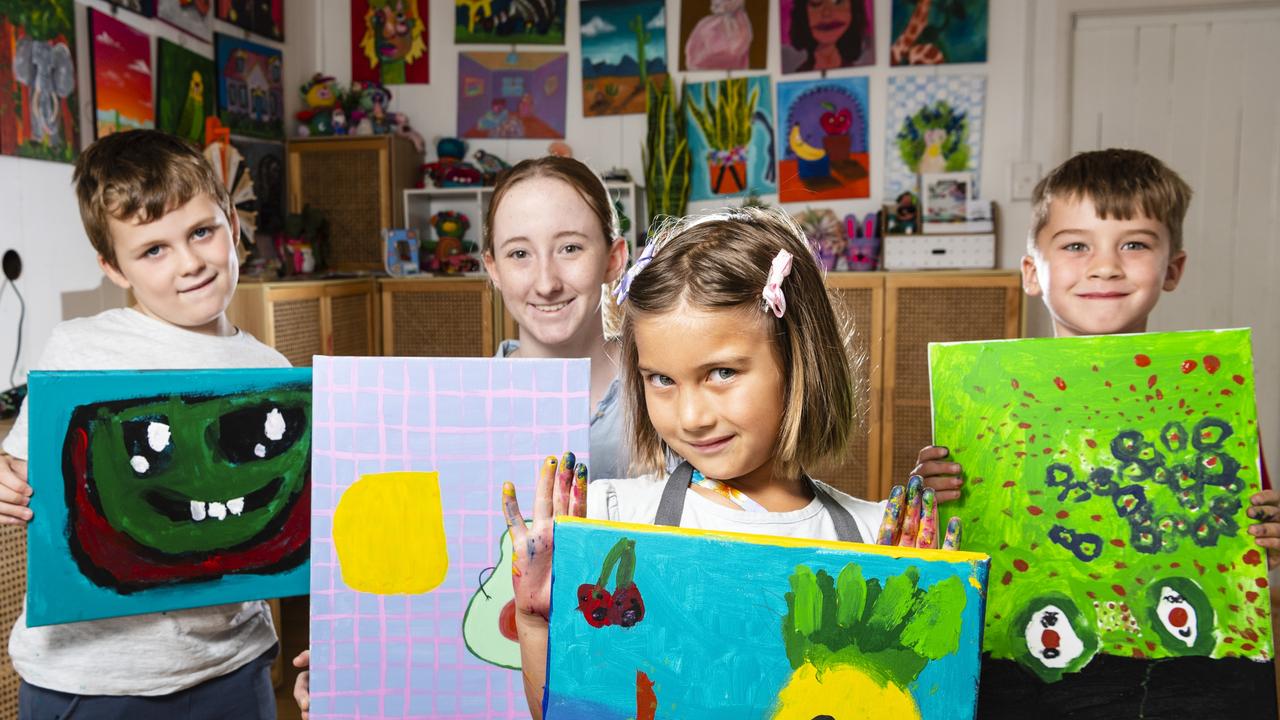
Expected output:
(722, 261)
(142, 174)
(1121, 184)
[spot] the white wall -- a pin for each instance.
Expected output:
(38, 213)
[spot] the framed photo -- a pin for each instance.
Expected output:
(402, 252)
(944, 197)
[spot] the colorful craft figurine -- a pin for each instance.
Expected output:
(490, 165)
(450, 170)
(320, 94)
(825, 234)
(450, 253)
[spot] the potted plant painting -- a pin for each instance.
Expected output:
(725, 121)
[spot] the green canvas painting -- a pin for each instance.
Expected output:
(1108, 479)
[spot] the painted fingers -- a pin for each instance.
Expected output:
(911, 519)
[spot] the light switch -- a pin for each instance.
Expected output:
(1025, 175)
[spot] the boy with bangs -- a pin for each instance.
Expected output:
(1105, 242)
(164, 227)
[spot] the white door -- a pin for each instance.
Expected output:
(1201, 91)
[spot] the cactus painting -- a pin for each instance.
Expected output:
(774, 628)
(624, 43)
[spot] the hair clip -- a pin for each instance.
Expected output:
(774, 300)
(624, 285)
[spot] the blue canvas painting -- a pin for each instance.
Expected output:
(730, 125)
(644, 627)
(822, 139)
(412, 606)
(161, 490)
(620, 38)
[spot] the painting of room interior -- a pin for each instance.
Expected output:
(826, 34)
(934, 125)
(731, 139)
(724, 34)
(250, 93)
(38, 110)
(623, 43)
(412, 605)
(389, 41)
(642, 626)
(1108, 477)
(189, 17)
(184, 91)
(121, 62)
(932, 32)
(508, 22)
(512, 95)
(161, 490)
(822, 139)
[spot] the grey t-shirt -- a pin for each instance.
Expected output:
(158, 653)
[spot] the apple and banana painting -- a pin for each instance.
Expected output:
(822, 139)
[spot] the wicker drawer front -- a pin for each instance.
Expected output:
(13, 586)
(437, 324)
(924, 315)
(852, 472)
(345, 185)
(352, 331)
(298, 330)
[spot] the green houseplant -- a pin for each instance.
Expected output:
(725, 120)
(665, 153)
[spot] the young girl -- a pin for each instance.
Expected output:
(737, 375)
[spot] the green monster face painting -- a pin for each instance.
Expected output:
(189, 488)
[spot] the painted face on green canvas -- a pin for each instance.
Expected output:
(187, 488)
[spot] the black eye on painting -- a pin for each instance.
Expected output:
(260, 432)
(1049, 620)
(147, 444)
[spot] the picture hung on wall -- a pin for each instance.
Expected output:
(268, 19)
(236, 12)
(934, 125)
(822, 139)
(724, 34)
(38, 110)
(512, 95)
(389, 41)
(121, 62)
(250, 93)
(825, 632)
(184, 91)
(189, 17)
(1109, 477)
(145, 8)
(264, 161)
(161, 490)
(731, 139)
(412, 606)
(508, 22)
(944, 197)
(827, 34)
(623, 43)
(932, 32)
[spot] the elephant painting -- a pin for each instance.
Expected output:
(48, 74)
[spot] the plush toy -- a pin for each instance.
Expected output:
(400, 126)
(371, 115)
(490, 165)
(320, 94)
(450, 170)
(451, 254)
(825, 234)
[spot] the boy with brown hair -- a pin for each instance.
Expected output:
(1105, 241)
(164, 227)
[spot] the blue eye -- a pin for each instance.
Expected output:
(1075, 247)
(202, 233)
(1134, 245)
(724, 374)
(661, 381)
(152, 251)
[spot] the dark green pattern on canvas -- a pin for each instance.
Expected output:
(1113, 473)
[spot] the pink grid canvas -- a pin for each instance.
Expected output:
(478, 422)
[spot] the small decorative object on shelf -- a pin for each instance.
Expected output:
(304, 244)
(863, 250)
(370, 115)
(402, 251)
(320, 95)
(901, 218)
(452, 253)
(560, 148)
(490, 166)
(617, 174)
(450, 170)
(825, 234)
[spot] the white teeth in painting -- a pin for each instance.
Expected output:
(158, 436)
(260, 450)
(197, 510)
(217, 510)
(274, 426)
(140, 464)
(236, 506)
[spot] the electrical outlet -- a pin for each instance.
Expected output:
(1023, 180)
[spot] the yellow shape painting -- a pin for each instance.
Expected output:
(388, 530)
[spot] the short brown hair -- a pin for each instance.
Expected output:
(142, 174)
(1121, 184)
(722, 261)
(567, 170)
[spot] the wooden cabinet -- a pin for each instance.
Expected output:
(301, 318)
(895, 316)
(358, 183)
(440, 317)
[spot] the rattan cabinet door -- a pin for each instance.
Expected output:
(352, 327)
(298, 330)
(437, 317)
(933, 307)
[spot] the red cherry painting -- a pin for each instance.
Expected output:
(594, 602)
(836, 122)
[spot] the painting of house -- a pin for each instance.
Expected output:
(250, 91)
(512, 95)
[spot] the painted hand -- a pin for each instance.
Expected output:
(943, 477)
(302, 686)
(911, 519)
(561, 490)
(1265, 509)
(15, 493)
